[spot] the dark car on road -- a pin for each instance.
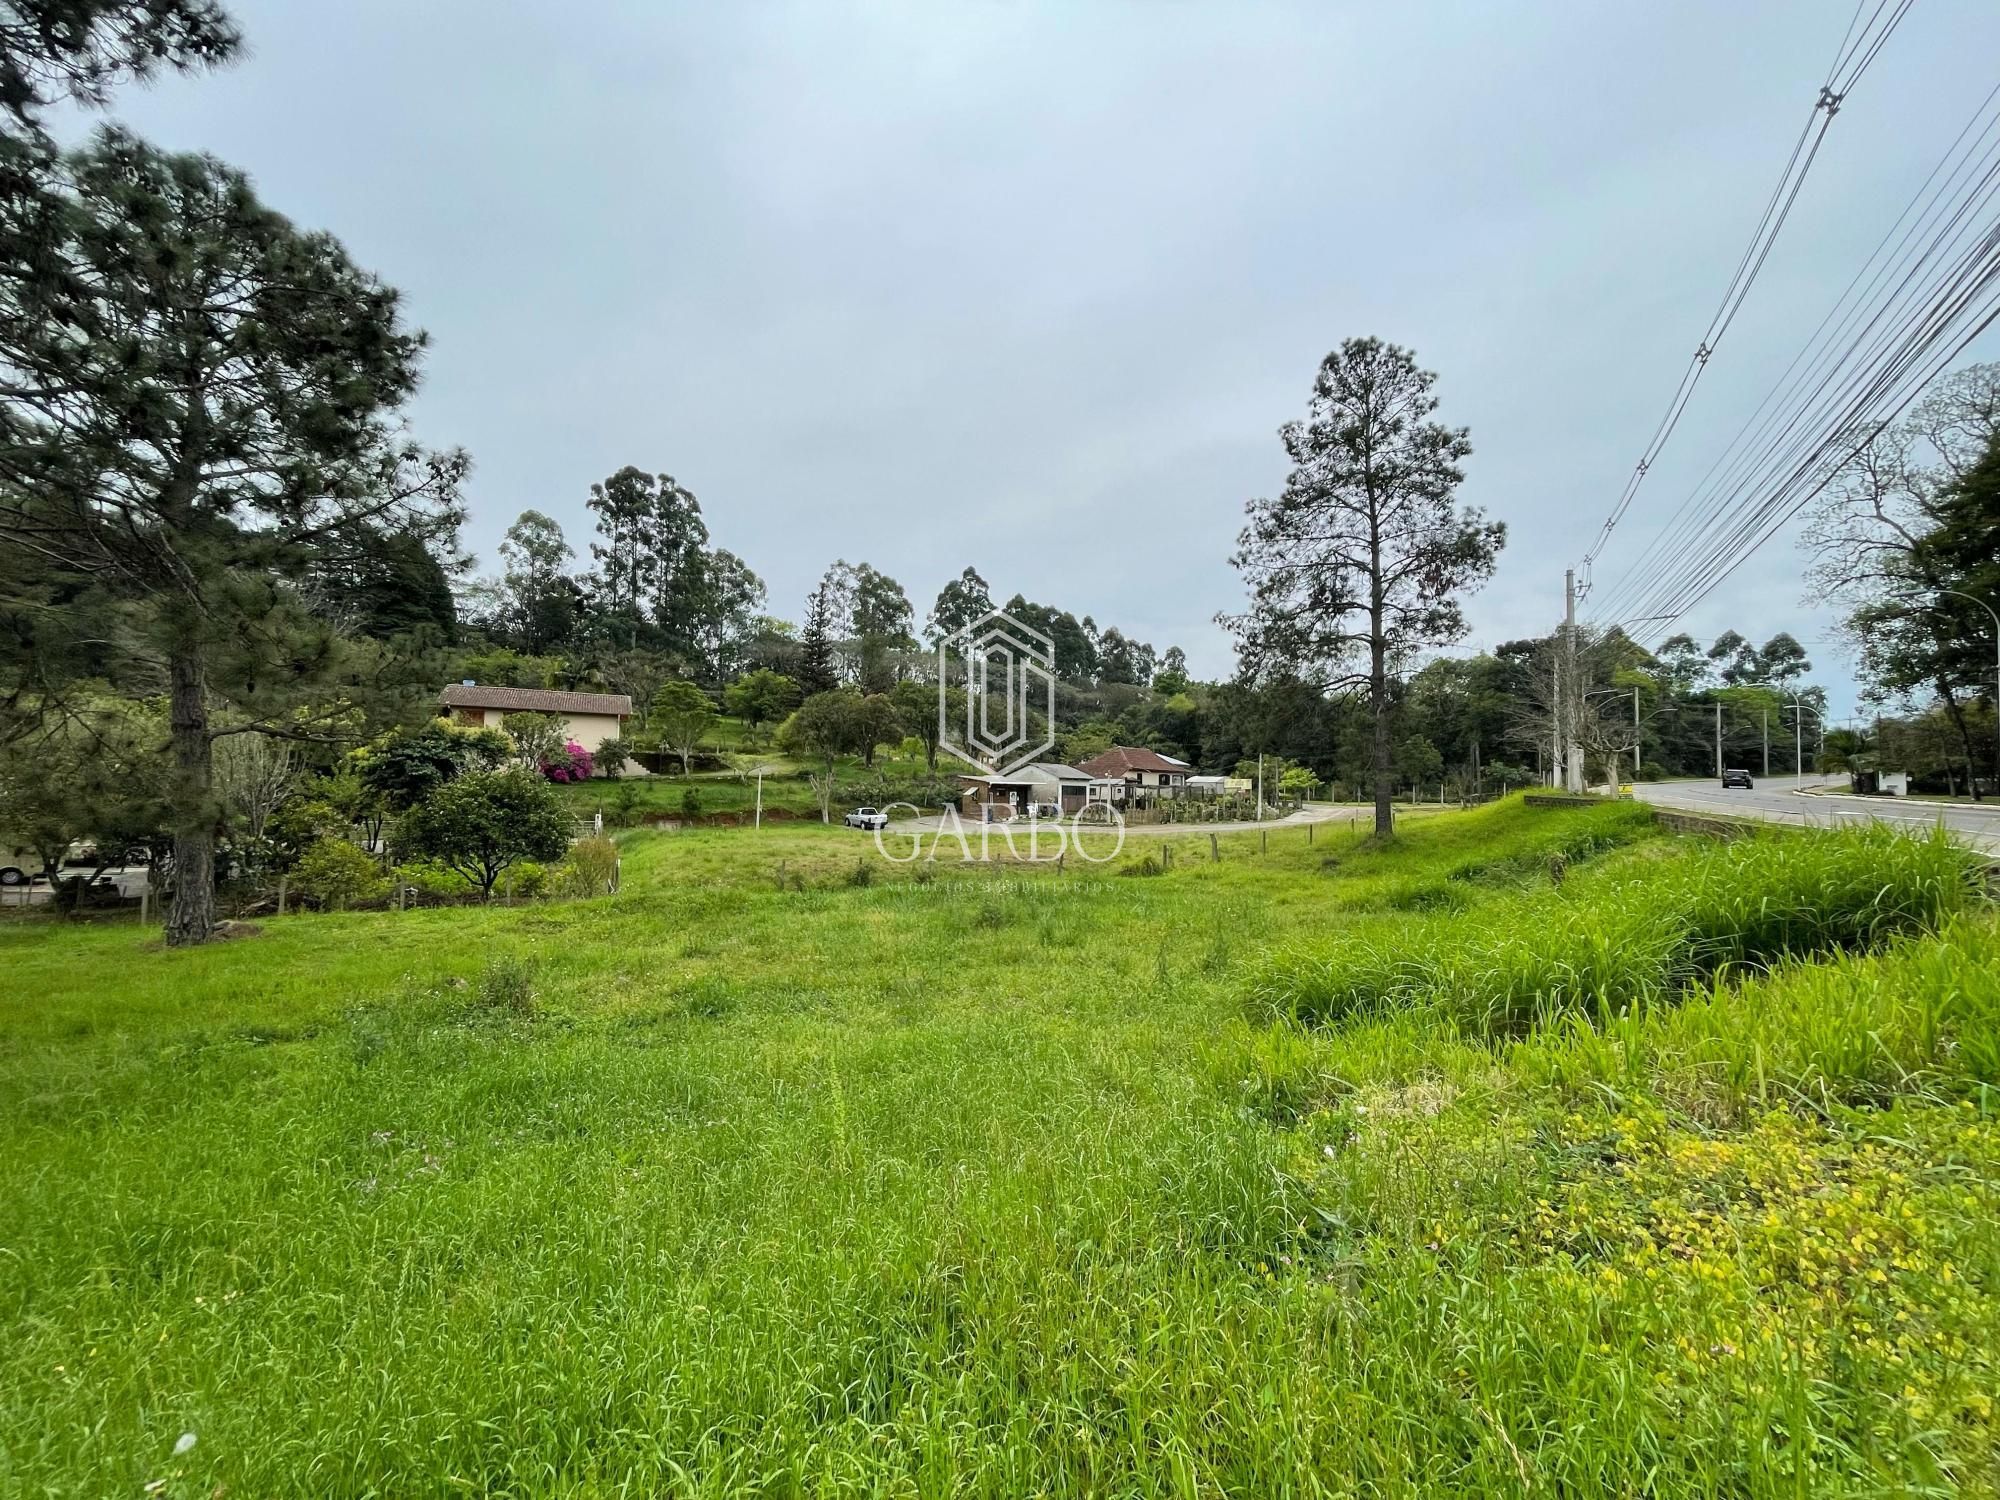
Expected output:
(1738, 778)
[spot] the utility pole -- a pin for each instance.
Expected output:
(1718, 739)
(1260, 786)
(1635, 734)
(1572, 779)
(1766, 711)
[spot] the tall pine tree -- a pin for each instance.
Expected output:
(816, 671)
(200, 421)
(1364, 556)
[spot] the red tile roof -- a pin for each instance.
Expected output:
(1121, 760)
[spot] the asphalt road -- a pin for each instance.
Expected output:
(1779, 799)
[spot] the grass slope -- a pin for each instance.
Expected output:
(992, 1182)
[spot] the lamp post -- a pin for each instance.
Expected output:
(1799, 712)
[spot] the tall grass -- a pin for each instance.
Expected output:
(1639, 931)
(731, 1186)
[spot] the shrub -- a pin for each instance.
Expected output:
(528, 879)
(429, 878)
(589, 869)
(482, 824)
(611, 757)
(571, 763)
(333, 874)
(691, 802)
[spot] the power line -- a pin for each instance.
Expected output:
(1858, 49)
(1916, 303)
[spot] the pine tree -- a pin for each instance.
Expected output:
(816, 673)
(1365, 554)
(212, 432)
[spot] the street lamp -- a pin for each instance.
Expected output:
(1799, 712)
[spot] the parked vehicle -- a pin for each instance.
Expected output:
(867, 817)
(17, 865)
(1738, 778)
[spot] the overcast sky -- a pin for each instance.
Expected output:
(1031, 286)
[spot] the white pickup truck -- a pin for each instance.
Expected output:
(873, 819)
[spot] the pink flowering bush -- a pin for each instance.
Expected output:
(571, 763)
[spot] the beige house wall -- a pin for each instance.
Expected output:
(588, 730)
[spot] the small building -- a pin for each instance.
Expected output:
(1045, 787)
(588, 718)
(1140, 773)
(1220, 786)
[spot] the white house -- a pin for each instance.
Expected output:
(588, 718)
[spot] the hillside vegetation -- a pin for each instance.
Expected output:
(1534, 1150)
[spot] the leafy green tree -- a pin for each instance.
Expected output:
(1365, 556)
(1075, 642)
(1681, 664)
(965, 599)
(681, 717)
(1299, 781)
(868, 610)
(611, 756)
(624, 505)
(1171, 676)
(825, 727)
(638, 675)
(916, 704)
(1782, 662)
(1908, 536)
(959, 603)
(760, 697)
(484, 822)
(876, 723)
(1418, 761)
(94, 775)
(215, 427)
(537, 737)
(541, 600)
(408, 765)
(722, 613)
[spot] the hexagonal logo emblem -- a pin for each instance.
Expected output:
(1007, 667)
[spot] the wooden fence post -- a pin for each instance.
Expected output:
(1214, 850)
(281, 892)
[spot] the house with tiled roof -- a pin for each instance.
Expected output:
(1139, 772)
(588, 718)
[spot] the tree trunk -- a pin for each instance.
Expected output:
(1957, 713)
(191, 916)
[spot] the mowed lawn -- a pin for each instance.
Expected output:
(1522, 1154)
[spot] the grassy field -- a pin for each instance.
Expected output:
(1536, 1151)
